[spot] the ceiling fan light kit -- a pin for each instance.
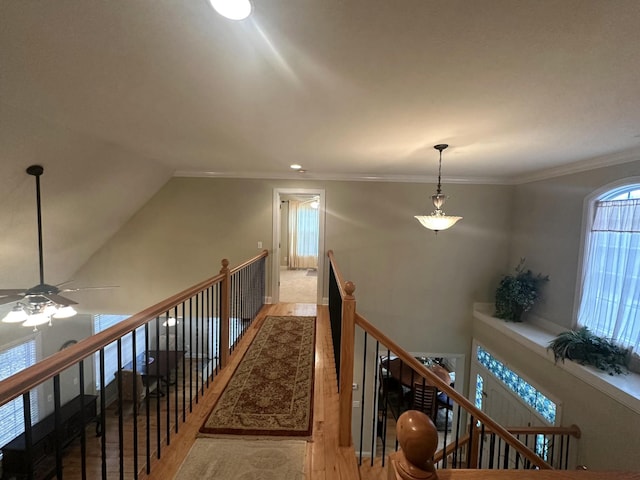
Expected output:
(438, 220)
(37, 305)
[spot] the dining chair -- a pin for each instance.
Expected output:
(425, 399)
(127, 379)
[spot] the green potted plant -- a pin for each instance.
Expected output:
(587, 348)
(517, 293)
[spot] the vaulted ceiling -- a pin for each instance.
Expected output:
(115, 97)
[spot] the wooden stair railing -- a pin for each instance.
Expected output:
(350, 318)
(464, 441)
(32, 376)
(423, 372)
(203, 307)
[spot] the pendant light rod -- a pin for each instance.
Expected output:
(36, 171)
(440, 147)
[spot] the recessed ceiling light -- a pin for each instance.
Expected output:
(295, 166)
(232, 9)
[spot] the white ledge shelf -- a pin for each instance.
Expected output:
(536, 333)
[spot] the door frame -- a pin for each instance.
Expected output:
(275, 263)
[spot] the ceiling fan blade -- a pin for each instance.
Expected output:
(89, 288)
(60, 300)
(10, 298)
(11, 291)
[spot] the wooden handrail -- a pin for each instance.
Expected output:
(449, 449)
(572, 430)
(33, 376)
(264, 253)
(336, 270)
(424, 372)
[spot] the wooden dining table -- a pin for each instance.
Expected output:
(405, 374)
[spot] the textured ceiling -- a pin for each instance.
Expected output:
(113, 97)
(346, 88)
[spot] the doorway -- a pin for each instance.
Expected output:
(298, 257)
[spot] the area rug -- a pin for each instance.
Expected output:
(239, 459)
(271, 391)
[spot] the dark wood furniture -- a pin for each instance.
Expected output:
(157, 363)
(165, 363)
(405, 374)
(15, 460)
(425, 399)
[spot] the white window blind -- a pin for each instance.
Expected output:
(102, 322)
(610, 302)
(13, 359)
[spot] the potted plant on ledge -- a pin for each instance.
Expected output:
(587, 348)
(517, 293)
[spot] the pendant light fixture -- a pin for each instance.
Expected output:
(438, 220)
(232, 9)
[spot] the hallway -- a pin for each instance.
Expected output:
(324, 459)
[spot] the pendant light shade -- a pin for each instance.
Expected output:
(438, 220)
(232, 9)
(17, 315)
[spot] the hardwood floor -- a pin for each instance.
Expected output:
(324, 460)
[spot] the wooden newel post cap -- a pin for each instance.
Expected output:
(225, 265)
(349, 288)
(418, 439)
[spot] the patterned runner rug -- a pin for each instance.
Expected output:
(271, 391)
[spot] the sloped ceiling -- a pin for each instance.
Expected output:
(115, 97)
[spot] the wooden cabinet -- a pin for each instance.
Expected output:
(15, 461)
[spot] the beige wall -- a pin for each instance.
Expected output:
(609, 429)
(418, 286)
(414, 285)
(547, 230)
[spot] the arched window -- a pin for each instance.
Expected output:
(610, 299)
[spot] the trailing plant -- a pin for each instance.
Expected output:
(587, 348)
(517, 293)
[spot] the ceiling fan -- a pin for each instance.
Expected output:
(37, 305)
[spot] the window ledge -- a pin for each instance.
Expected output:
(536, 333)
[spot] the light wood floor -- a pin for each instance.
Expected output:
(324, 460)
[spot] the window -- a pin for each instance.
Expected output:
(14, 358)
(610, 297)
(303, 234)
(479, 390)
(527, 392)
(102, 322)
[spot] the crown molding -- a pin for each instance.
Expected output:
(339, 177)
(609, 160)
(619, 158)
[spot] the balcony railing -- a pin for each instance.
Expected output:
(393, 381)
(187, 339)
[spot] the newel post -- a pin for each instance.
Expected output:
(225, 294)
(418, 439)
(347, 343)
